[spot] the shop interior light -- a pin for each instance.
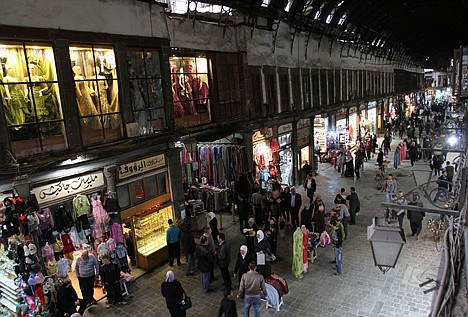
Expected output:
(453, 140)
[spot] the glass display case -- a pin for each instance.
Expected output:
(150, 228)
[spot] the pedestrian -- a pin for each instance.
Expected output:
(242, 211)
(244, 257)
(173, 243)
(205, 260)
(400, 213)
(389, 187)
(343, 216)
(68, 300)
(450, 173)
(318, 216)
(173, 292)
(213, 223)
(271, 232)
(317, 149)
(251, 288)
(354, 205)
(87, 272)
(413, 153)
(224, 259)
(262, 246)
(110, 278)
(250, 231)
(211, 247)
(380, 160)
(310, 186)
(306, 170)
(189, 247)
(357, 164)
(340, 198)
(256, 202)
(416, 218)
(342, 164)
(228, 305)
(285, 204)
(337, 246)
(306, 217)
(442, 190)
(295, 204)
(437, 164)
(368, 150)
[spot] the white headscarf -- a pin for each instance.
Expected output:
(211, 215)
(244, 248)
(261, 236)
(170, 276)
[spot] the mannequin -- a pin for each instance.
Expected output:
(297, 263)
(100, 89)
(39, 87)
(186, 94)
(16, 106)
(85, 102)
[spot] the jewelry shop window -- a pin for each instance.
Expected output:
(190, 90)
(31, 99)
(140, 190)
(144, 69)
(96, 89)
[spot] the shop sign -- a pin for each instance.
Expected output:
(303, 133)
(141, 166)
(68, 187)
(303, 123)
(353, 110)
(285, 128)
(372, 104)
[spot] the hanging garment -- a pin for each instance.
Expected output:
(81, 205)
(74, 236)
(47, 253)
(67, 243)
(63, 219)
(116, 233)
(46, 220)
(297, 263)
(63, 267)
(305, 244)
(99, 213)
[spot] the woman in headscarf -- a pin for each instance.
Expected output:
(318, 217)
(261, 245)
(271, 231)
(242, 264)
(172, 291)
(213, 223)
(250, 231)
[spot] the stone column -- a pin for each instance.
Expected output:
(311, 145)
(109, 174)
(294, 150)
(175, 181)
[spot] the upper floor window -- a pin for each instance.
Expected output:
(146, 92)
(96, 89)
(190, 90)
(31, 100)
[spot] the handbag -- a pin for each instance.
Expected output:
(270, 257)
(186, 303)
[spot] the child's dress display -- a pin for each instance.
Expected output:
(99, 213)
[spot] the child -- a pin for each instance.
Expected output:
(228, 305)
(110, 277)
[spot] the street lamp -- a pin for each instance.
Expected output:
(421, 173)
(22, 185)
(386, 243)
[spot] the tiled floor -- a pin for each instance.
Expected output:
(362, 290)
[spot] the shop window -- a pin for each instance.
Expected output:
(134, 193)
(146, 92)
(306, 90)
(190, 90)
(256, 82)
(31, 99)
(270, 86)
(296, 91)
(284, 92)
(315, 88)
(96, 90)
(323, 87)
(230, 85)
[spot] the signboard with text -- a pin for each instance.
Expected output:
(141, 166)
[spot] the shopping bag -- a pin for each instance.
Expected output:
(186, 303)
(260, 258)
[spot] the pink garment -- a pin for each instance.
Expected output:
(116, 233)
(99, 213)
(111, 244)
(46, 220)
(96, 231)
(47, 253)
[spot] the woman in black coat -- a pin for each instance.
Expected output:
(172, 291)
(213, 223)
(242, 264)
(262, 244)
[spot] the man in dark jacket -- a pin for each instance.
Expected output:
(354, 205)
(310, 186)
(205, 262)
(380, 160)
(416, 219)
(189, 247)
(224, 259)
(67, 298)
(295, 205)
(228, 306)
(110, 278)
(450, 173)
(337, 245)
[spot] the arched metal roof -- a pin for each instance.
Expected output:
(416, 31)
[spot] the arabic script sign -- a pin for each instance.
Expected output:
(68, 187)
(141, 166)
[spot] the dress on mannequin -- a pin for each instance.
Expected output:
(16, 108)
(86, 105)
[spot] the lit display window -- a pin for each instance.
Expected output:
(31, 99)
(96, 89)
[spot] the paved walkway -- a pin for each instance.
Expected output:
(362, 290)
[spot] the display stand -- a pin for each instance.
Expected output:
(8, 289)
